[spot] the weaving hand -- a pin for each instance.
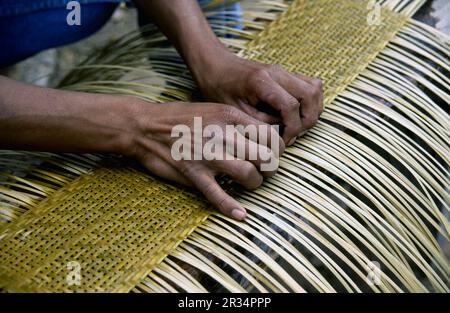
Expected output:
(159, 128)
(242, 83)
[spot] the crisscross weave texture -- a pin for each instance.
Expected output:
(117, 223)
(327, 39)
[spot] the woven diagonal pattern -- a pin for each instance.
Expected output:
(325, 38)
(118, 224)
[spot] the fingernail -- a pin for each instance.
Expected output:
(238, 214)
(292, 141)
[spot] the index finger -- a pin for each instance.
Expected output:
(206, 183)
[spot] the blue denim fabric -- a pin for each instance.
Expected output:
(30, 26)
(15, 7)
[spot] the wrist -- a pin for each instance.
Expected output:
(125, 116)
(205, 62)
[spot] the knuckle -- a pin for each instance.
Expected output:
(309, 95)
(221, 202)
(318, 83)
(292, 104)
(229, 113)
(247, 171)
(310, 121)
(256, 183)
(298, 129)
(275, 67)
(270, 154)
(259, 75)
(185, 168)
(316, 89)
(271, 97)
(251, 176)
(210, 190)
(282, 145)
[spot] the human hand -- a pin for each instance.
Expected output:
(154, 145)
(227, 78)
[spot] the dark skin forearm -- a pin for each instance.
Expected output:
(182, 21)
(34, 118)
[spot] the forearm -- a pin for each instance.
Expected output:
(183, 22)
(34, 118)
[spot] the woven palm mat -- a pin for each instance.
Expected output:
(118, 223)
